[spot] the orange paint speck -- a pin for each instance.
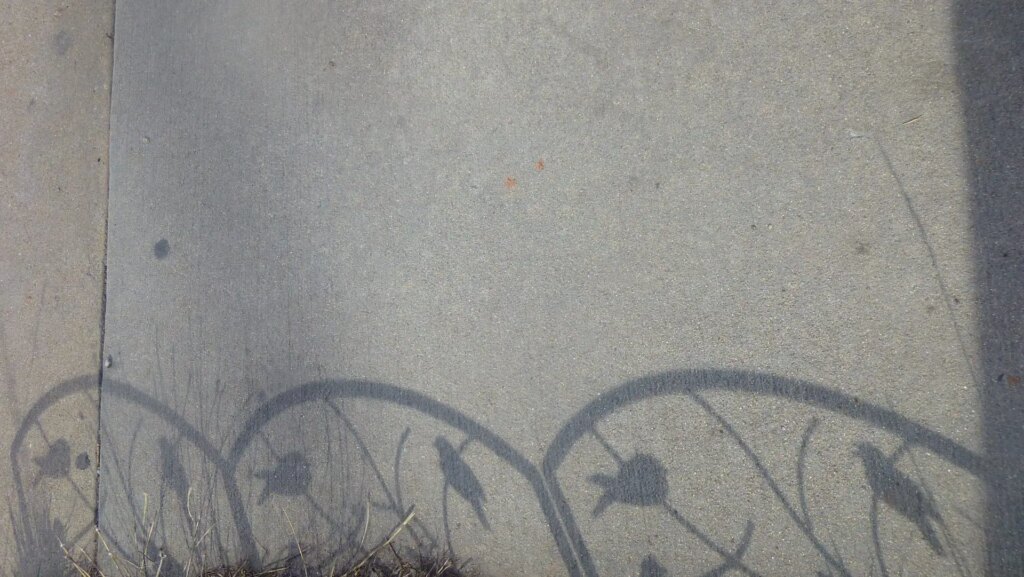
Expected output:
(1013, 379)
(510, 183)
(540, 165)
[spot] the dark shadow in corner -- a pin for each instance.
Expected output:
(990, 52)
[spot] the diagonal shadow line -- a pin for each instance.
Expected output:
(741, 549)
(770, 480)
(730, 559)
(933, 259)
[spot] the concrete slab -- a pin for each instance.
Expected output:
(599, 289)
(55, 64)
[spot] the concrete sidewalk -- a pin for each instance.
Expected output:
(55, 66)
(600, 289)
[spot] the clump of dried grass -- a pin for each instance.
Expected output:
(383, 560)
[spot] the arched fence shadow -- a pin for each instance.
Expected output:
(641, 479)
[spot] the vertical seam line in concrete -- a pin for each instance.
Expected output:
(103, 289)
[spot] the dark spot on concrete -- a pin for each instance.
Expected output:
(657, 185)
(332, 63)
(161, 249)
(1006, 254)
(31, 103)
(62, 43)
(862, 248)
(956, 300)
(753, 227)
(930, 308)
(82, 461)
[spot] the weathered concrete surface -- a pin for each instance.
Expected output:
(599, 289)
(55, 63)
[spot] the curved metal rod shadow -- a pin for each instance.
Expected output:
(321, 391)
(543, 481)
(691, 382)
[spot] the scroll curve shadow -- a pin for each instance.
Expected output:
(553, 504)
(693, 381)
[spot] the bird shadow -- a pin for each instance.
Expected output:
(637, 480)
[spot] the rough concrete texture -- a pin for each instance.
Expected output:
(55, 62)
(601, 289)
